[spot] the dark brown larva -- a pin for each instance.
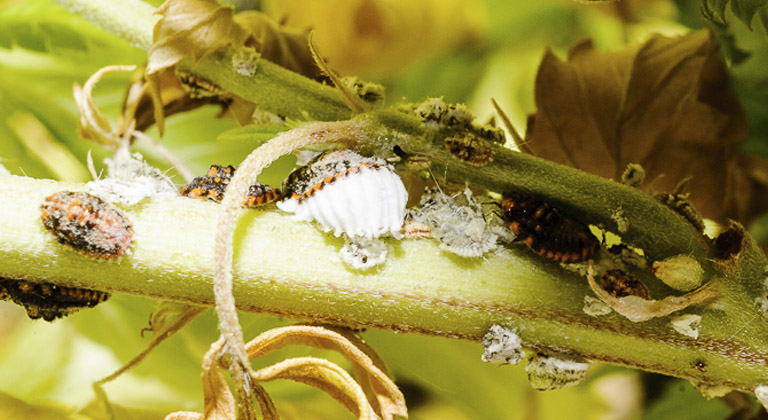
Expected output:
(680, 204)
(620, 284)
(213, 185)
(323, 170)
(49, 301)
(470, 148)
(87, 223)
(545, 230)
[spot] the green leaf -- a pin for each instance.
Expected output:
(252, 135)
(452, 373)
(744, 10)
(17, 409)
(682, 401)
(43, 26)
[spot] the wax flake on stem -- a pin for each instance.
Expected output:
(130, 179)
(456, 221)
(687, 325)
(549, 372)
(502, 345)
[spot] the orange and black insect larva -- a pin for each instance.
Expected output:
(49, 301)
(213, 185)
(545, 230)
(87, 223)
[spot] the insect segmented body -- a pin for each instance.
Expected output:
(620, 284)
(87, 223)
(210, 186)
(213, 185)
(680, 204)
(545, 230)
(49, 301)
(345, 192)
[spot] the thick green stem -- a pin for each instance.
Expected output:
(656, 229)
(273, 88)
(131, 20)
(291, 269)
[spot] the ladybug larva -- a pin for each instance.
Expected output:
(213, 185)
(346, 193)
(87, 223)
(545, 230)
(49, 301)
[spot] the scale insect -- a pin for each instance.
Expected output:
(546, 230)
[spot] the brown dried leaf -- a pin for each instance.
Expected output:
(324, 375)
(374, 395)
(197, 28)
(194, 28)
(282, 45)
(219, 403)
(383, 394)
(665, 104)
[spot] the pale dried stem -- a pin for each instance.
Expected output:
(637, 309)
(250, 168)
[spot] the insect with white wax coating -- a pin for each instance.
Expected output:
(347, 193)
(350, 195)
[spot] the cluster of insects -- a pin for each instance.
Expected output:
(213, 184)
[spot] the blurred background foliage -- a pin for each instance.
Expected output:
(464, 51)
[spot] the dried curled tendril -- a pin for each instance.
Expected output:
(370, 395)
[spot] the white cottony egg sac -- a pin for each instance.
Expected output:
(345, 193)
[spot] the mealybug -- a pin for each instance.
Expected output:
(213, 185)
(49, 301)
(87, 223)
(347, 193)
(545, 230)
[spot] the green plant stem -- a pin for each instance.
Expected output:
(273, 88)
(652, 227)
(131, 20)
(287, 268)
(291, 269)
(658, 231)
